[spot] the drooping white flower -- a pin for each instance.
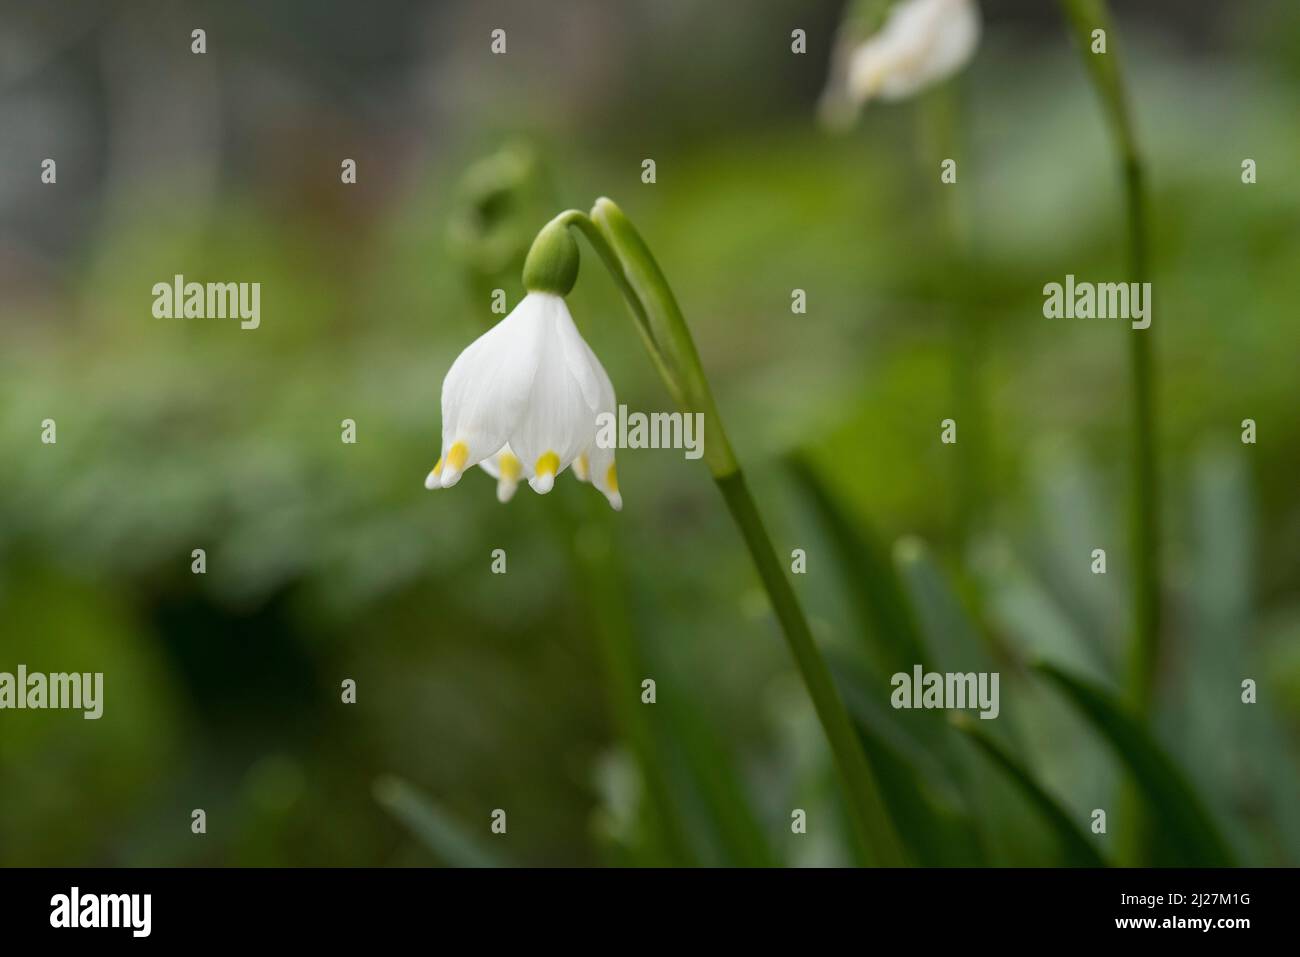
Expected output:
(522, 401)
(920, 43)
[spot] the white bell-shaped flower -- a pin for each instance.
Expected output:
(921, 43)
(523, 399)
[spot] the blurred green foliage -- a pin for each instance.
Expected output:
(329, 561)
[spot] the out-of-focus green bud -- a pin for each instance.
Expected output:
(499, 201)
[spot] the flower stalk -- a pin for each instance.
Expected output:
(1085, 16)
(667, 338)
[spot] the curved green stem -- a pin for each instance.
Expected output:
(1144, 530)
(658, 317)
(668, 339)
(870, 818)
(1086, 16)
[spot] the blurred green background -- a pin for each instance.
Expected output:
(328, 561)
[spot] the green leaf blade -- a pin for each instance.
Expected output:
(1186, 833)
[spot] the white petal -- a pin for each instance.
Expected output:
(921, 43)
(604, 475)
(600, 461)
(522, 402)
(558, 423)
(580, 360)
(506, 468)
(492, 464)
(486, 392)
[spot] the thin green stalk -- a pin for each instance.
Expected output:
(1085, 16)
(868, 813)
(1145, 518)
(601, 576)
(669, 342)
(942, 136)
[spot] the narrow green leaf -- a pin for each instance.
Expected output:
(1184, 833)
(605, 588)
(1030, 621)
(869, 578)
(923, 798)
(922, 737)
(950, 633)
(433, 826)
(1073, 517)
(1060, 748)
(706, 772)
(948, 629)
(1078, 850)
(697, 810)
(923, 777)
(936, 833)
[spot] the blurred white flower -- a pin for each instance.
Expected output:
(522, 402)
(920, 43)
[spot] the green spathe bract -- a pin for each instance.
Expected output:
(552, 263)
